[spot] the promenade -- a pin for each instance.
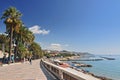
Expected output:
(24, 71)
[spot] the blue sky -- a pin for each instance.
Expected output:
(77, 25)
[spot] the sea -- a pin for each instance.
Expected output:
(105, 68)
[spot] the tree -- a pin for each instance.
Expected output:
(3, 40)
(36, 50)
(20, 35)
(23, 52)
(12, 21)
(26, 36)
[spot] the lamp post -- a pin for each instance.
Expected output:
(14, 45)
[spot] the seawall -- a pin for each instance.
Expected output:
(66, 73)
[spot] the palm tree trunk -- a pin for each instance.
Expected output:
(16, 49)
(3, 48)
(10, 44)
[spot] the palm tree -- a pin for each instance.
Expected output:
(24, 37)
(36, 50)
(27, 36)
(12, 21)
(3, 40)
(23, 52)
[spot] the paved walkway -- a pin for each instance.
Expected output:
(23, 71)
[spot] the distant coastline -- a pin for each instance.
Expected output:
(106, 68)
(76, 64)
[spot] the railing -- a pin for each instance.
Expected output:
(60, 72)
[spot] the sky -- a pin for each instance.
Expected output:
(76, 25)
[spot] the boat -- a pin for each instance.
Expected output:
(76, 64)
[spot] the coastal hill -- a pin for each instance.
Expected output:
(85, 54)
(81, 54)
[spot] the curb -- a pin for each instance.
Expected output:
(9, 64)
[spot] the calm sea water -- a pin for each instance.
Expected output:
(106, 68)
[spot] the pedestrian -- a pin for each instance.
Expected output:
(30, 60)
(24, 60)
(4, 59)
(12, 58)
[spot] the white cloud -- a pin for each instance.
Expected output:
(53, 44)
(56, 47)
(37, 30)
(66, 45)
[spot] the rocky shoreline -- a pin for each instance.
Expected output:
(89, 73)
(77, 64)
(75, 58)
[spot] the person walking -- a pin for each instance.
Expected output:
(30, 60)
(12, 58)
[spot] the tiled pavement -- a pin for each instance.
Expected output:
(22, 71)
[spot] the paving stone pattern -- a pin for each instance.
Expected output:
(22, 71)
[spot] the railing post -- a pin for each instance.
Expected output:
(61, 74)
